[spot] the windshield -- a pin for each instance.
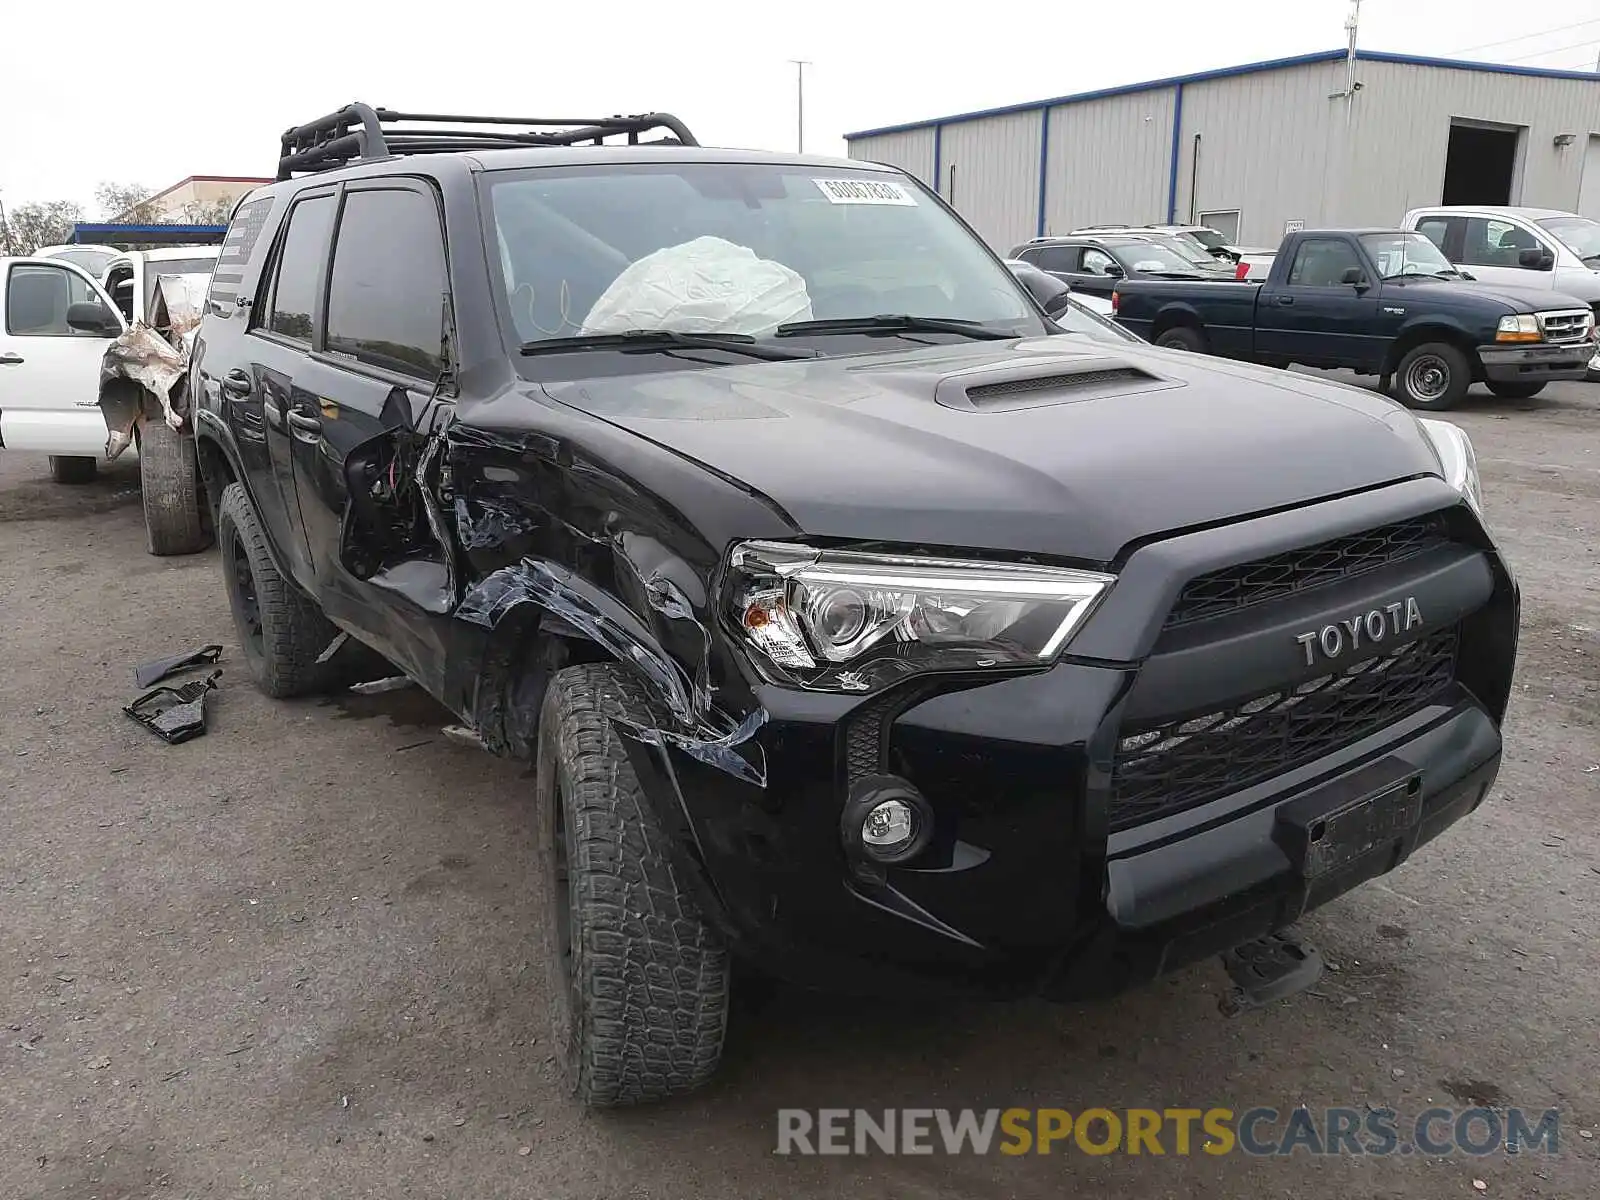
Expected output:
(1188, 251)
(735, 248)
(1209, 238)
(92, 261)
(1151, 258)
(1578, 234)
(1398, 254)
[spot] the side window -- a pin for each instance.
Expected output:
(1057, 258)
(386, 294)
(1492, 243)
(1096, 261)
(1322, 262)
(292, 303)
(1437, 231)
(37, 299)
(244, 231)
(119, 286)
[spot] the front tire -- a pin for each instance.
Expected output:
(73, 468)
(638, 978)
(1513, 390)
(1181, 337)
(169, 482)
(281, 631)
(1433, 376)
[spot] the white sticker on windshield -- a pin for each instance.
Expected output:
(865, 191)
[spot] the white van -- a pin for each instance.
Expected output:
(1525, 247)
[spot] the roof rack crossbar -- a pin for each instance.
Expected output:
(357, 133)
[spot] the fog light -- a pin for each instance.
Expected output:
(886, 820)
(890, 826)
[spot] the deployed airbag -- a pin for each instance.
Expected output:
(707, 285)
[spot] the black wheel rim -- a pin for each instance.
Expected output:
(246, 604)
(1428, 377)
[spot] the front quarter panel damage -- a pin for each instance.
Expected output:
(569, 561)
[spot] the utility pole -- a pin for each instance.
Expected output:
(800, 66)
(1350, 60)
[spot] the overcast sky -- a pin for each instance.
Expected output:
(239, 75)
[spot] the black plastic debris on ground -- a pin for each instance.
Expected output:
(149, 674)
(174, 714)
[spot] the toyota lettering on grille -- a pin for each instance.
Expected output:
(1331, 641)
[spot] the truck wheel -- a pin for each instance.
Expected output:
(72, 468)
(1511, 389)
(281, 631)
(1432, 376)
(638, 979)
(1183, 338)
(169, 480)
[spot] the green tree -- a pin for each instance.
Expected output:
(42, 223)
(126, 204)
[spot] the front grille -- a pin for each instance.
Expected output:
(1236, 587)
(1567, 325)
(1176, 765)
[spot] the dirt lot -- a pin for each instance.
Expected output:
(292, 959)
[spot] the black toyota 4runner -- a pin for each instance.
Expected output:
(863, 625)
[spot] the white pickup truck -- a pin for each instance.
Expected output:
(62, 395)
(58, 323)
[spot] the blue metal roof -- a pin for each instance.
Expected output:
(85, 230)
(1273, 64)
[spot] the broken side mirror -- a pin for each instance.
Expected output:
(1536, 258)
(90, 316)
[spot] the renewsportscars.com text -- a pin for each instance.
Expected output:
(1168, 1131)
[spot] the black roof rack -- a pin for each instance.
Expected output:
(357, 133)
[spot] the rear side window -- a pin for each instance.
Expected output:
(37, 298)
(291, 305)
(1436, 230)
(244, 231)
(386, 293)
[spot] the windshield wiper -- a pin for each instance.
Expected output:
(895, 323)
(665, 340)
(1418, 275)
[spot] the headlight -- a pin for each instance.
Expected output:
(845, 621)
(1521, 328)
(1457, 462)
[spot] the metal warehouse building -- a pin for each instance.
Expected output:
(1251, 149)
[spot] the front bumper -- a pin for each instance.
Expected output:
(1033, 886)
(1536, 363)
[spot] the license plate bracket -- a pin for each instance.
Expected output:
(1340, 822)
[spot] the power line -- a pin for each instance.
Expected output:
(1553, 50)
(1527, 37)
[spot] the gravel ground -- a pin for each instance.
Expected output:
(293, 958)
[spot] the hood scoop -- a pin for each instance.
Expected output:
(1006, 387)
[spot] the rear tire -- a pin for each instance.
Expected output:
(1513, 390)
(1433, 376)
(175, 516)
(638, 978)
(1181, 337)
(281, 631)
(73, 468)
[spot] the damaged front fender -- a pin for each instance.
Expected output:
(143, 373)
(567, 606)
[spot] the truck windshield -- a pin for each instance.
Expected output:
(1578, 234)
(1400, 254)
(1209, 238)
(736, 249)
(1151, 258)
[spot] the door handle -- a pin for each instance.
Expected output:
(304, 422)
(237, 385)
(1286, 300)
(11, 360)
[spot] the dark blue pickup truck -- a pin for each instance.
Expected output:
(1379, 302)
